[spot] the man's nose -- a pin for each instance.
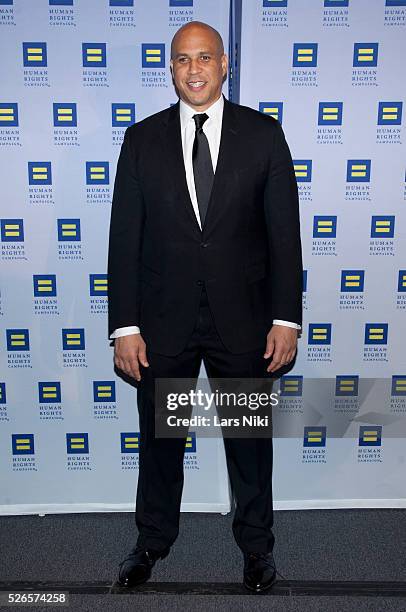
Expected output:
(194, 66)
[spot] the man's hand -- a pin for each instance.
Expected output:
(281, 343)
(129, 352)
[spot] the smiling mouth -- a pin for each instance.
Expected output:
(196, 85)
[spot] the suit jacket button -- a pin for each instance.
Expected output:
(199, 282)
(204, 244)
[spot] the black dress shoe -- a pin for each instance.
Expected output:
(259, 571)
(136, 568)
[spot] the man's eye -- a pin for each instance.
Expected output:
(205, 57)
(182, 60)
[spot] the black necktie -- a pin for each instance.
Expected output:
(202, 166)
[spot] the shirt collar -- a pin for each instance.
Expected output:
(214, 111)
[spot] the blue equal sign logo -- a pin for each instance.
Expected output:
(39, 173)
(73, 339)
(34, 54)
(305, 55)
(121, 2)
(69, 230)
(49, 392)
(324, 226)
(330, 113)
(319, 333)
(3, 395)
(352, 280)
(153, 55)
(291, 386)
(365, 55)
(402, 281)
(303, 170)
(94, 55)
(274, 109)
(376, 333)
(8, 114)
(382, 226)
(274, 3)
(77, 443)
(97, 173)
(190, 443)
(65, 114)
(398, 385)
(347, 386)
(98, 284)
(104, 391)
(358, 170)
(44, 285)
(130, 441)
(12, 230)
(22, 444)
(18, 339)
(340, 3)
(314, 436)
(370, 435)
(122, 115)
(390, 113)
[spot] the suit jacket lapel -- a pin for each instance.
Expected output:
(225, 164)
(174, 158)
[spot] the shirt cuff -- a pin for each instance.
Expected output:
(286, 323)
(125, 331)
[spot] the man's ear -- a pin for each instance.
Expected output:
(224, 63)
(171, 66)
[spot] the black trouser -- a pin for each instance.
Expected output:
(249, 460)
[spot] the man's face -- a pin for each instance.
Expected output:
(198, 67)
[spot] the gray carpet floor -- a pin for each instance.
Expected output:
(350, 545)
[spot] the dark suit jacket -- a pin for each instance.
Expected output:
(248, 253)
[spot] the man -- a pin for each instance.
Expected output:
(204, 263)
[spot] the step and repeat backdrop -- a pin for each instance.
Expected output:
(75, 74)
(332, 72)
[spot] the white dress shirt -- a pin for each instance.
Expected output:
(212, 130)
